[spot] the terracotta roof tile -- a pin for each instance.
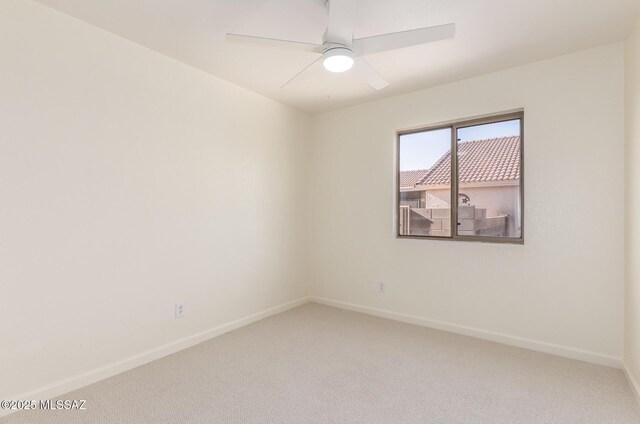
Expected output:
(495, 159)
(409, 179)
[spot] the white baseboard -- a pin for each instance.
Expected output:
(564, 351)
(635, 386)
(61, 387)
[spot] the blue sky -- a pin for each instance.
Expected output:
(422, 150)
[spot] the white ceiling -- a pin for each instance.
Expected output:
(490, 35)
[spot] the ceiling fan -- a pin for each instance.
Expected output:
(340, 52)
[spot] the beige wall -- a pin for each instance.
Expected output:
(564, 287)
(497, 200)
(130, 181)
(632, 155)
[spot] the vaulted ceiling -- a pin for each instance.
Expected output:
(490, 35)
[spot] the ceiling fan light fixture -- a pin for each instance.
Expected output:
(337, 59)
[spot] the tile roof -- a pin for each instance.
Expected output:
(495, 159)
(408, 179)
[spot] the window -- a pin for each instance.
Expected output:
(480, 190)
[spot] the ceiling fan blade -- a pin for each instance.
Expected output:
(342, 18)
(272, 42)
(398, 40)
(367, 73)
(309, 66)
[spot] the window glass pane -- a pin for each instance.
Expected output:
(489, 180)
(425, 183)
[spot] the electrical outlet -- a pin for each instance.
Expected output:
(179, 310)
(381, 287)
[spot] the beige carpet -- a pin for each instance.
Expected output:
(316, 364)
